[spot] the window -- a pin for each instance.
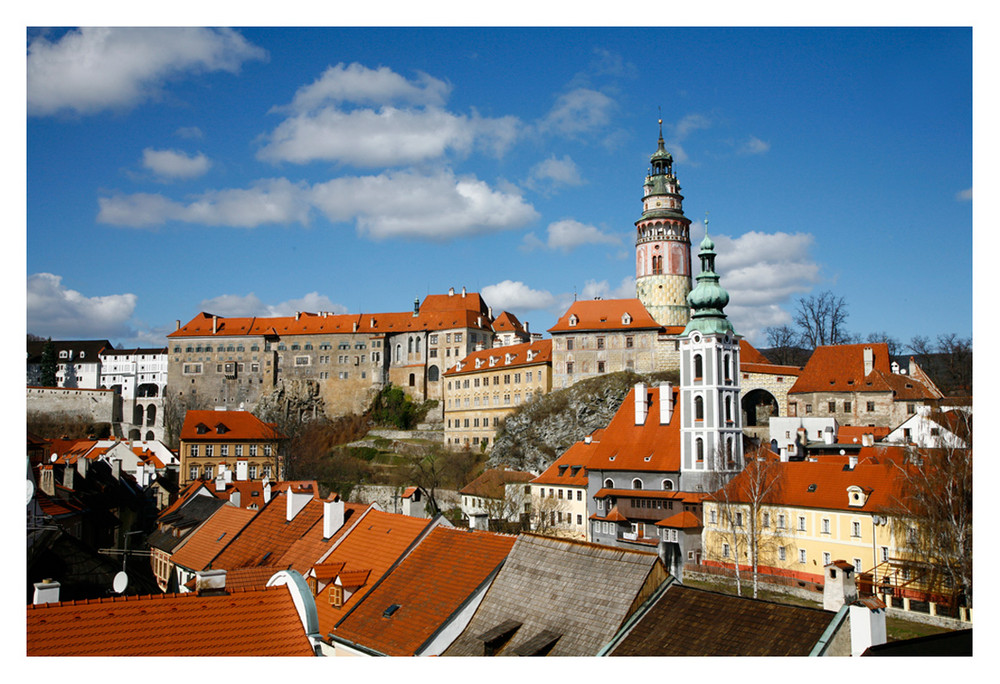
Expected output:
(855, 529)
(194, 450)
(802, 555)
(224, 450)
(209, 450)
(698, 367)
(712, 516)
(847, 407)
(699, 409)
(579, 495)
(725, 550)
(809, 408)
(802, 523)
(600, 344)
(636, 483)
(826, 526)
(911, 409)
(871, 406)
(857, 565)
(193, 472)
(884, 554)
(600, 366)
(569, 368)
(832, 407)
(668, 485)
(739, 519)
(628, 342)
(252, 471)
(766, 520)
(826, 558)
(253, 449)
(781, 521)
(781, 553)
(699, 449)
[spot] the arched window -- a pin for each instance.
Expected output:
(413, 380)
(657, 265)
(137, 415)
(409, 346)
(432, 374)
(698, 367)
(149, 436)
(726, 363)
(699, 449)
(729, 409)
(399, 351)
(418, 345)
(699, 408)
(609, 483)
(636, 483)
(668, 485)
(729, 451)
(151, 415)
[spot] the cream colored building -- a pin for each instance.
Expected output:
(487, 385)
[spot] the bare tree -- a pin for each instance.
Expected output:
(782, 341)
(891, 342)
(821, 319)
(920, 346)
(933, 511)
(546, 513)
(175, 407)
(957, 353)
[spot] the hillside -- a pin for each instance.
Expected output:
(537, 432)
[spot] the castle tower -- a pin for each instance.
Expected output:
(712, 424)
(663, 244)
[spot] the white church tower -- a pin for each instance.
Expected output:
(711, 422)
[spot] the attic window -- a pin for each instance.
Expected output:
(812, 487)
(538, 645)
(573, 320)
(390, 611)
(496, 638)
(850, 382)
(201, 428)
(626, 319)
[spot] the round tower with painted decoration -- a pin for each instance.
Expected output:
(663, 244)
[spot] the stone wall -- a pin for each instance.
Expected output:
(91, 405)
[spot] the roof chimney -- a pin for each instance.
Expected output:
(297, 314)
(116, 468)
(81, 467)
(46, 591)
(867, 618)
(68, 473)
(210, 582)
(333, 517)
(267, 491)
(463, 290)
(295, 502)
(215, 324)
(869, 360)
(526, 327)
(47, 481)
(838, 585)
(852, 461)
(828, 435)
(868, 439)
(588, 439)
(666, 402)
(640, 403)
(451, 292)
(220, 483)
(178, 324)
(416, 306)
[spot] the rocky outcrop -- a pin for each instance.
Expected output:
(540, 430)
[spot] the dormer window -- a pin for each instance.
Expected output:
(856, 496)
(62, 354)
(626, 318)
(201, 428)
(573, 320)
(221, 429)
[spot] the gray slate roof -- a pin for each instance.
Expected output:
(579, 591)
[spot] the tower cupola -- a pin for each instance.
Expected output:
(708, 298)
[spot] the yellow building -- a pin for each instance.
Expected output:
(559, 495)
(235, 445)
(487, 385)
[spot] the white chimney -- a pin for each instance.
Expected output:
(297, 314)
(242, 470)
(463, 290)
(81, 466)
(295, 502)
(210, 581)
(333, 517)
(267, 491)
(68, 474)
(235, 498)
(220, 483)
(46, 591)
(828, 435)
(116, 468)
(640, 403)
(215, 324)
(852, 461)
(588, 439)
(666, 402)
(867, 618)
(451, 292)
(838, 585)
(867, 439)
(869, 360)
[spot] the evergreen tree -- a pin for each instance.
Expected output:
(48, 365)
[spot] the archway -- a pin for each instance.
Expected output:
(149, 436)
(433, 374)
(147, 389)
(137, 415)
(758, 406)
(151, 415)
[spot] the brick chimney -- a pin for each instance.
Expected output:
(640, 403)
(333, 517)
(46, 591)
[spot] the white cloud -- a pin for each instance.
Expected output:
(579, 111)
(361, 85)
(404, 204)
(600, 288)
(375, 118)
(175, 164)
(762, 272)
(412, 205)
(251, 305)
(512, 295)
(274, 201)
(754, 145)
(964, 195)
(89, 70)
(689, 124)
(189, 132)
(567, 235)
(555, 172)
(58, 312)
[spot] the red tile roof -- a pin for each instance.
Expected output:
(649, 447)
(251, 623)
(770, 369)
(268, 536)
(847, 434)
(375, 543)
(492, 482)
(205, 543)
(606, 314)
(750, 354)
(429, 586)
(682, 520)
(507, 321)
(569, 470)
(236, 426)
(312, 545)
(541, 352)
(841, 368)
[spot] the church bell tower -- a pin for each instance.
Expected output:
(663, 244)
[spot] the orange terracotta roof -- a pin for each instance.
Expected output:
(312, 546)
(823, 484)
(841, 368)
(326, 572)
(375, 543)
(847, 434)
(235, 426)
(606, 314)
(354, 578)
(268, 536)
(492, 482)
(770, 369)
(649, 447)
(409, 491)
(250, 623)
(663, 494)
(429, 586)
(245, 579)
(507, 321)
(205, 543)
(614, 515)
(56, 507)
(541, 352)
(750, 354)
(189, 490)
(569, 470)
(682, 520)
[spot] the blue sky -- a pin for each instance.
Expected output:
(262, 171)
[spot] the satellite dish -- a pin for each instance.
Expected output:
(120, 582)
(31, 490)
(152, 477)
(53, 458)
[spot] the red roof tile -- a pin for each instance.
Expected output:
(205, 543)
(235, 426)
(541, 352)
(429, 586)
(682, 520)
(649, 447)
(252, 623)
(606, 314)
(570, 468)
(841, 368)
(749, 354)
(492, 482)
